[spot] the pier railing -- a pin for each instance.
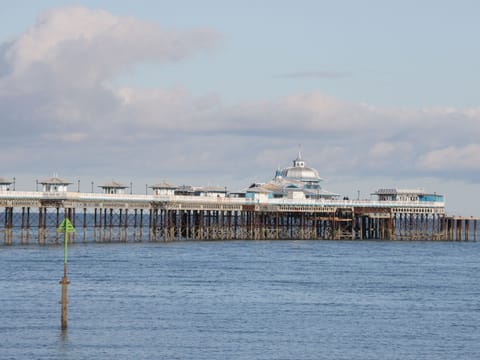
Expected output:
(79, 196)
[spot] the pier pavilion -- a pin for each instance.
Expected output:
(407, 195)
(114, 188)
(54, 185)
(294, 182)
(5, 184)
(164, 189)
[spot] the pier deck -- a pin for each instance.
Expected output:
(35, 216)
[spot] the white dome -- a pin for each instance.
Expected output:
(301, 173)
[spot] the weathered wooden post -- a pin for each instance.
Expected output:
(474, 228)
(66, 227)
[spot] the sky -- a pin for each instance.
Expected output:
(375, 94)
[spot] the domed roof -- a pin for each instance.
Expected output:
(301, 173)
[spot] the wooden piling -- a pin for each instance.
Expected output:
(64, 317)
(473, 229)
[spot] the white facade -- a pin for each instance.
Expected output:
(259, 196)
(296, 195)
(216, 192)
(113, 188)
(55, 184)
(5, 184)
(399, 194)
(164, 189)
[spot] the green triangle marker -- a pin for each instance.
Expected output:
(66, 226)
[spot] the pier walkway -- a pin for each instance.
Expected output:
(34, 217)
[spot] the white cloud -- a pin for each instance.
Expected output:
(169, 109)
(91, 46)
(386, 150)
(452, 158)
(57, 75)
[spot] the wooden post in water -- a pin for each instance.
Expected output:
(64, 282)
(467, 230)
(475, 229)
(65, 227)
(459, 230)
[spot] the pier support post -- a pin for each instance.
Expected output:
(459, 230)
(475, 230)
(467, 230)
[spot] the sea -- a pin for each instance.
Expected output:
(243, 300)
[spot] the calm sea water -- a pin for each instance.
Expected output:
(243, 300)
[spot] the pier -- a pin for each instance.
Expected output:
(292, 206)
(33, 217)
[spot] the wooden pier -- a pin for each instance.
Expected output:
(33, 217)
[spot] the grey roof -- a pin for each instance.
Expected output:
(399, 191)
(210, 189)
(320, 192)
(55, 181)
(259, 190)
(263, 188)
(4, 181)
(164, 185)
(113, 184)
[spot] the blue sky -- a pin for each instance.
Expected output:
(378, 93)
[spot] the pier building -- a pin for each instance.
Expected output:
(407, 195)
(5, 184)
(294, 182)
(203, 191)
(164, 189)
(113, 187)
(54, 185)
(291, 206)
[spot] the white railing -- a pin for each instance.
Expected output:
(34, 195)
(37, 195)
(109, 197)
(358, 203)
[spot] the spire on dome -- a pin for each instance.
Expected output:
(299, 156)
(298, 162)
